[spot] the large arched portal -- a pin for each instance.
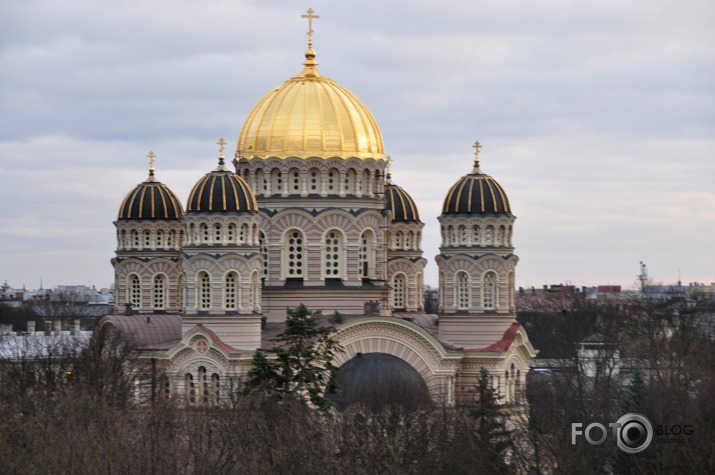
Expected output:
(376, 380)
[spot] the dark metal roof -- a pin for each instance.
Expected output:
(377, 380)
(154, 331)
(221, 191)
(476, 193)
(151, 200)
(400, 203)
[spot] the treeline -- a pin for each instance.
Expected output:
(603, 360)
(80, 410)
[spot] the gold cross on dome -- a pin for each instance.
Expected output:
(221, 142)
(476, 146)
(151, 156)
(310, 18)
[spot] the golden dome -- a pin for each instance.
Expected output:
(310, 116)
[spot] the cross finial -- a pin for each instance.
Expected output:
(310, 18)
(476, 146)
(221, 142)
(151, 157)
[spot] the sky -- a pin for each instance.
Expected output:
(596, 116)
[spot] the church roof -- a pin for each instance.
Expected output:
(149, 332)
(476, 193)
(221, 191)
(307, 116)
(151, 200)
(400, 203)
(379, 379)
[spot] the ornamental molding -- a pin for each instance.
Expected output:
(304, 165)
(146, 270)
(398, 338)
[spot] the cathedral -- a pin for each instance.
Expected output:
(307, 212)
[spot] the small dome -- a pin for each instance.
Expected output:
(476, 193)
(221, 191)
(377, 380)
(400, 203)
(310, 116)
(151, 200)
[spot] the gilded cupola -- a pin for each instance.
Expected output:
(307, 116)
(151, 199)
(400, 203)
(476, 193)
(221, 191)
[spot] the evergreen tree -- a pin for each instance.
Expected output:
(491, 429)
(301, 362)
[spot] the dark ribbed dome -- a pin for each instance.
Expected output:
(151, 200)
(476, 194)
(400, 203)
(221, 191)
(377, 380)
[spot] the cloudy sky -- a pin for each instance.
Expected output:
(596, 116)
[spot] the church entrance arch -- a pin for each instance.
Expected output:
(407, 342)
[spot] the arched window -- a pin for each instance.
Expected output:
(490, 291)
(294, 254)
(276, 182)
(464, 297)
(294, 181)
(314, 181)
(203, 385)
(217, 233)
(147, 238)
(122, 239)
(349, 186)
(475, 235)
(332, 184)
(333, 254)
(408, 240)
(264, 252)
(489, 236)
(398, 240)
(230, 291)
(159, 300)
(231, 233)
(159, 239)
(170, 239)
(189, 389)
(204, 291)
(398, 292)
(366, 256)
(243, 234)
(261, 183)
(205, 235)
(367, 182)
(135, 238)
(164, 387)
(135, 291)
(463, 237)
